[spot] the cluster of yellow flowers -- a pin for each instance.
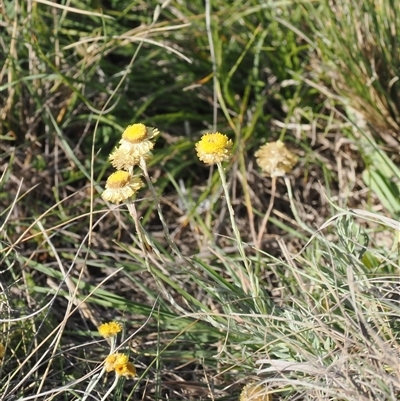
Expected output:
(134, 149)
(117, 362)
(137, 142)
(120, 364)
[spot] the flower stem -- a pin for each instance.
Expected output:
(92, 384)
(145, 241)
(172, 245)
(111, 388)
(250, 272)
(267, 214)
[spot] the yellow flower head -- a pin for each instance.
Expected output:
(121, 186)
(126, 370)
(121, 365)
(255, 392)
(275, 159)
(110, 329)
(109, 362)
(214, 148)
(2, 351)
(113, 360)
(136, 142)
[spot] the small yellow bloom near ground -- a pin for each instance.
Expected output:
(126, 370)
(137, 141)
(255, 392)
(214, 148)
(110, 362)
(121, 186)
(2, 351)
(114, 359)
(110, 329)
(275, 159)
(121, 365)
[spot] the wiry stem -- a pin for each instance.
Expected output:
(96, 378)
(253, 283)
(171, 243)
(111, 388)
(267, 214)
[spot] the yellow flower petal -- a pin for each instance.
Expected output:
(121, 365)
(135, 133)
(110, 362)
(121, 186)
(110, 329)
(275, 159)
(114, 360)
(121, 359)
(214, 148)
(126, 370)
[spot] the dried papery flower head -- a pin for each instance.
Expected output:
(2, 351)
(137, 141)
(275, 159)
(214, 148)
(120, 186)
(255, 392)
(110, 329)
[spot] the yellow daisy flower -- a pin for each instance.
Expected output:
(110, 362)
(121, 186)
(121, 365)
(214, 148)
(126, 370)
(113, 360)
(137, 141)
(275, 159)
(110, 329)
(254, 392)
